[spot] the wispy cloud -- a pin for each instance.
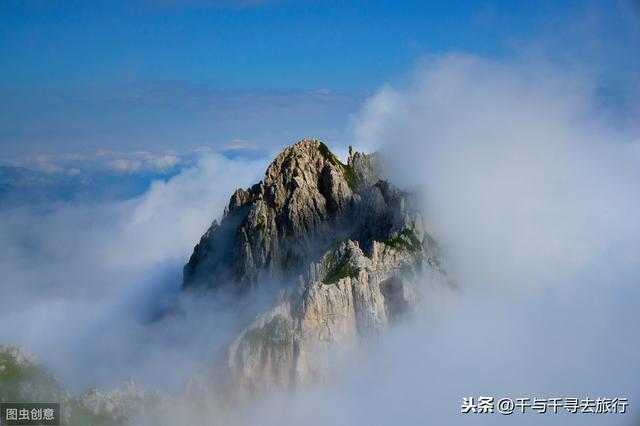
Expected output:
(168, 115)
(203, 97)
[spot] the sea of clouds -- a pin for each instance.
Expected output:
(529, 183)
(83, 281)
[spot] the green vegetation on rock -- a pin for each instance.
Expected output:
(406, 240)
(341, 268)
(23, 380)
(79, 415)
(272, 334)
(349, 174)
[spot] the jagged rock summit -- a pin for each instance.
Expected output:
(354, 245)
(305, 200)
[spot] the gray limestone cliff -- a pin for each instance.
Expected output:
(354, 246)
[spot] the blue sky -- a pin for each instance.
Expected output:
(80, 77)
(237, 45)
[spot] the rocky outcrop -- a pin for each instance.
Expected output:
(345, 296)
(354, 245)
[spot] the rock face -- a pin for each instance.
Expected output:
(276, 225)
(353, 244)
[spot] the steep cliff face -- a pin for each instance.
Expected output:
(354, 245)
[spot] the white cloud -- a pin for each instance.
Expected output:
(123, 165)
(142, 161)
(532, 191)
(80, 279)
(165, 162)
(512, 158)
(74, 171)
(46, 164)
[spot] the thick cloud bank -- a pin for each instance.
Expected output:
(81, 281)
(533, 192)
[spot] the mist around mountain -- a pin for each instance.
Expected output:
(528, 188)
(344, 252)
(347, 249)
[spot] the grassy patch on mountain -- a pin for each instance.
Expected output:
(26, 382)
(273, 334)
(81, 416)
(349, 174)
(341, 268)
(406, 240)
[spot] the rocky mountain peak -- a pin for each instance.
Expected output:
(308, 171)
(274, 227)
(349, 247)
